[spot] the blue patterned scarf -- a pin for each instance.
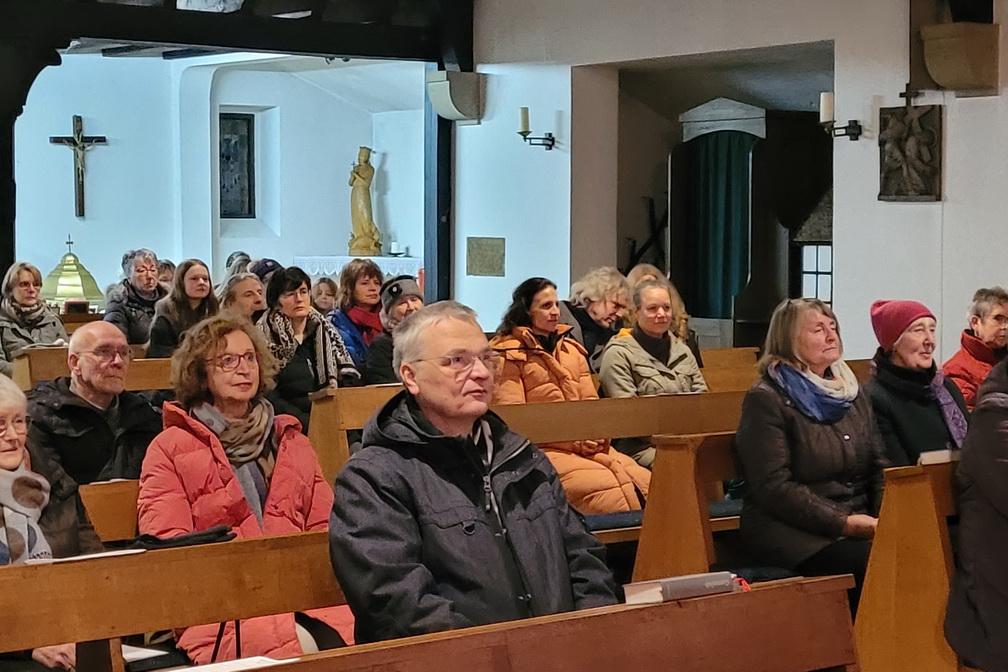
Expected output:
(822, 399)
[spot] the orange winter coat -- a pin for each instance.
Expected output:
(188, 485)
(596, 477)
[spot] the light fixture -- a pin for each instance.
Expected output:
(853, 128)
(545, 140)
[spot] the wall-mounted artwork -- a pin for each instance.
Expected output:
(485, 256)
(910, 147)
(237, 166)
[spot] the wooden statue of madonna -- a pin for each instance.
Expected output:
(365, 239)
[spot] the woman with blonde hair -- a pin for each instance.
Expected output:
(810, 451)
(25, 319)
(595, 310)
(226, 457)
(679, 326)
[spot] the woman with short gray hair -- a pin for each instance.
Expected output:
(25, 319)
(130, 304)
(595, 310)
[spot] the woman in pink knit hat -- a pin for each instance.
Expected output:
(917, 409)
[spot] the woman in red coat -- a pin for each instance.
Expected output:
(225, 459)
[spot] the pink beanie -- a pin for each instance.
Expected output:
(890, 319)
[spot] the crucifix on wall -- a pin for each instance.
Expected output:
(79, 143)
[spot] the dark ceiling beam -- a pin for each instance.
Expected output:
(456, 20)
(58, 22)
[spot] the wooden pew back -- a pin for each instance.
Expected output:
(902, 611)
(34, 365)
(728, 358)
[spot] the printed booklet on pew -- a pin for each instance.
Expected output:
(680, 587)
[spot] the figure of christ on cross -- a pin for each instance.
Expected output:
(79, 143)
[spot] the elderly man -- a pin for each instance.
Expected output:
(400, 296)
(131, 303)
(85, 428)
(446, 518)
(983, 343)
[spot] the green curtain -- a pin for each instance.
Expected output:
(717, 228)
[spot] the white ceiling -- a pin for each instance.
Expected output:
(787, 77)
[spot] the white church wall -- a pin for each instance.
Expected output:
(881, 250)
(398, 188)
(315, 141)
(129, 183)
(505, 188)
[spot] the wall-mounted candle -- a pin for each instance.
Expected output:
(825, 107)
(523, 121)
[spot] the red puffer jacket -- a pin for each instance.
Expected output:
(187, 485)
(968, 367)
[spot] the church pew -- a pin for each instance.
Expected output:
(677, 533)
(902, 610)
(33, 365)
(794, 625)
(112, 506)
(95, 600)
(73, 321)
(720, 358)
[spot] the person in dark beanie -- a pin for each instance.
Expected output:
(917, 409)
(400, 296)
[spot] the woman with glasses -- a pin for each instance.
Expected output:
(310, 351)
(34, 524)
(130, 304)
(541, 362)
(25, 319)
(226, 457)
(189, 301)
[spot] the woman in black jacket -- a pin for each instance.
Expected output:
(810, 452)
(917, 409)
(310, 351)
(191, 299)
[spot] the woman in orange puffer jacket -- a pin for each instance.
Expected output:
(225, 459)
(541, 363)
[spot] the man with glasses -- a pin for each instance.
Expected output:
(86, 427)
(983, 342)
(446, 518)
(130, 304)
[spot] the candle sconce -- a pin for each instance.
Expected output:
(853, 128)
(545, 140)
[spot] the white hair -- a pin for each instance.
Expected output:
(407, 334)
(598, 284)
(11, 394)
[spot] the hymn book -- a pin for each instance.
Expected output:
(679, 587)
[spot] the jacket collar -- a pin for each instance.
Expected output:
(521, 343)
(977, 349)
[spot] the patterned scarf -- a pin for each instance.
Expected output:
(822, 399)
(23, 496)
(368, 321)
(951, 413)
(29, 317)
(332, 360)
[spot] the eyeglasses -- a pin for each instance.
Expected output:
(27, 284)
(20, 425)
(230, 361)
(107, 353)
(463, 361)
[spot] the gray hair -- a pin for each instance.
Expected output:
(407, 334)
(130, 259)
(11, 394)
(985, 299)
(598, 284)
(225, 295)
(11, 277)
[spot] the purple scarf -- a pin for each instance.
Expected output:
(951, 413)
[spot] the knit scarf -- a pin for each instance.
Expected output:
(822, 399)
(29, 317)
(332, 360)
(368, 321)
(243, 439)
(23, 496)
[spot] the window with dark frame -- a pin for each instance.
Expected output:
(237, 166)
(817, 272)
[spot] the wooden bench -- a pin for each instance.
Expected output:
(74, 321)
(112, 506)
(793, 625)
(902, 610)
(34, 365)
(731, 358)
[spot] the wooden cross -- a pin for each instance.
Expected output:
(79, 143)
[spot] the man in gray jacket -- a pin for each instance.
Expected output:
(446, 518)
